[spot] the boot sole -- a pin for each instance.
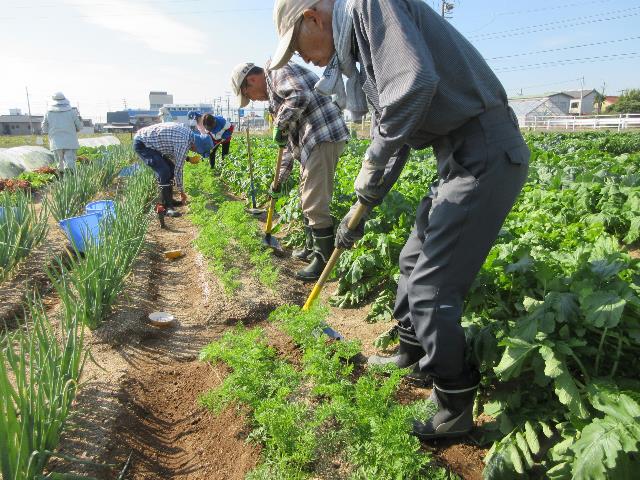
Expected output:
(308, 279)
(425, 437)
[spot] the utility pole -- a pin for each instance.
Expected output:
(581, 94)
(445, 8)
(124, 102)
(29, 109)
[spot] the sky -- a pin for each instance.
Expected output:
(105, 54)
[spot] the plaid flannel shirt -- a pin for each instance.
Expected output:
(309, 117)
(170, 139)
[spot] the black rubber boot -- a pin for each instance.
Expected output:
(409, 352)
(455, 408)
(323, 240)
(305, 253)
(167, 201)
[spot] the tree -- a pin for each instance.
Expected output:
(629, 102)
(599, 100)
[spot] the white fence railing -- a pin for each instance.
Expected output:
(590, 122)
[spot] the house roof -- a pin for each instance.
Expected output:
(20, 118)
(578, 93)
(540, 106)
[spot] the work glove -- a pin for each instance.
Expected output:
(280, 138)
(274, 190)
(369, 184)
(345, 238)
(375, 179)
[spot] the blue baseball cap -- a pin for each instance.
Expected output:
(193, 114)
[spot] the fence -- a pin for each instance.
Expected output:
(586, 122)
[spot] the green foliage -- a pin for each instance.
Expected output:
(321, 408)
(90, 284)
(39, 371)
(629, 102)
(555, 307)
(37, 180)
(226, 233)
(68, 196)
(21, 229)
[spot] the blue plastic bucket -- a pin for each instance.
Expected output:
(130, 170)
(101, 208)
(81, 228)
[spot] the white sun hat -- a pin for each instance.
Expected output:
(286, 14)
(238, 75)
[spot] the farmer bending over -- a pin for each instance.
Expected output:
(164, 147)
(221, 131)
(429, 87)
(311, 128)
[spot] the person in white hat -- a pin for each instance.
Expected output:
(312, 129)
(428, 86)
(62, 123)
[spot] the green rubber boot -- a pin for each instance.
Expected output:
(323, 239)
(306, 252)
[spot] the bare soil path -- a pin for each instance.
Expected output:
(139, 398)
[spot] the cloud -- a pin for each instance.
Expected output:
(148, 25)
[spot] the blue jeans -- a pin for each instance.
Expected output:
(162, 167)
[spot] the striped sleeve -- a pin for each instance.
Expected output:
(405, 74)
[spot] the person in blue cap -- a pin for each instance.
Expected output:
(163, 147)
(221, 131)
(195, 121)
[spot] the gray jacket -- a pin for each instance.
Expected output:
(423, 78)
(63, 128)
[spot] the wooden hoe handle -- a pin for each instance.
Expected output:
(272, 204)
(353, 224)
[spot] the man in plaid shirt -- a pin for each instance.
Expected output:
(312, 129)
(163, 147)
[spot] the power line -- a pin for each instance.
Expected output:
(617, 14)
(555, 7)
(605, 42)
(133, 14)
(569, 61)
(85, 4)
(536, 10)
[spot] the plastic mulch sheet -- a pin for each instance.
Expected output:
(9, 168)
(105, 140)
(31, 157)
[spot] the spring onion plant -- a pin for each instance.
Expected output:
(39, 370)
(21, 229)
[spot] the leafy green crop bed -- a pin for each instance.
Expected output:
(553, 319)
(322, 409)
(228, 237)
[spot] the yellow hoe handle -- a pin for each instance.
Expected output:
(353, 224)
(272, 204)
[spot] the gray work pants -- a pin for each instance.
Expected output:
(482, 167)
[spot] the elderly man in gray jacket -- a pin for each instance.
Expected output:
(429, 87)
(62, 123)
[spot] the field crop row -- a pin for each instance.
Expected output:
(553, 319)
(41, 361)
